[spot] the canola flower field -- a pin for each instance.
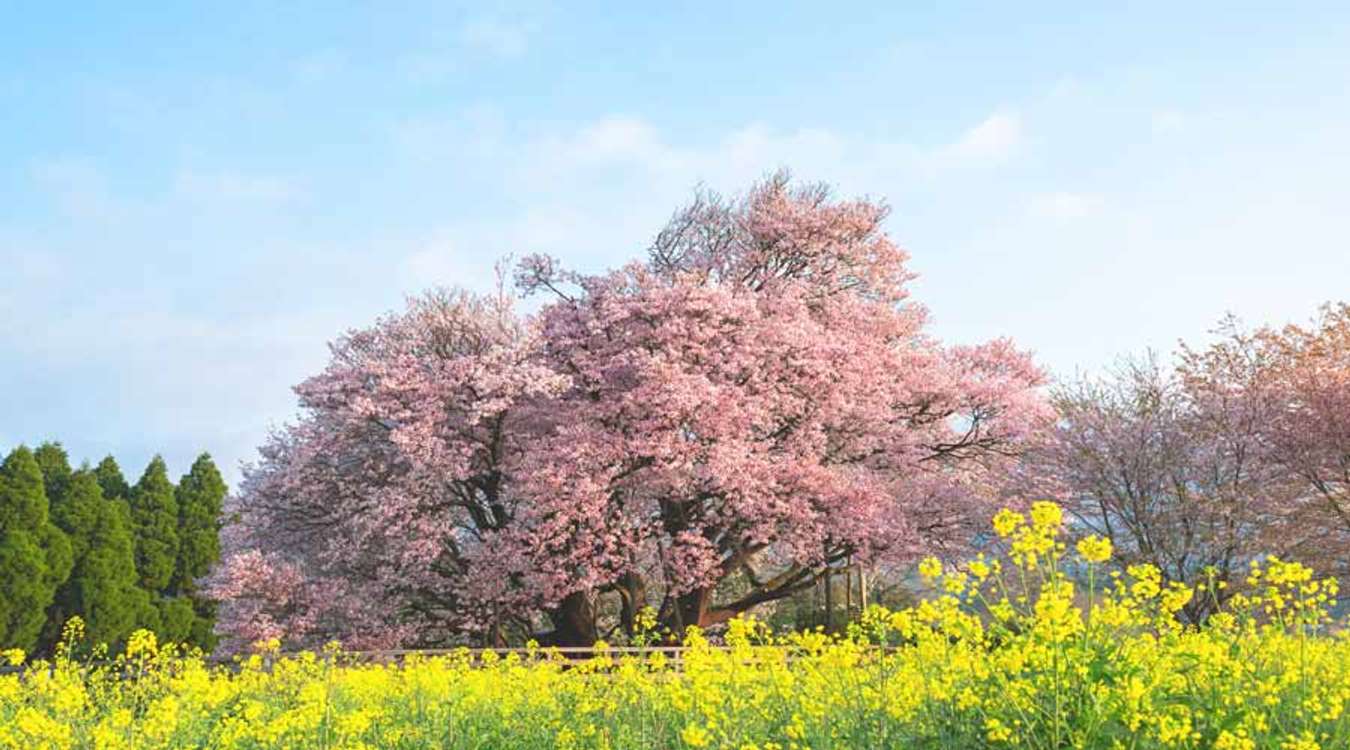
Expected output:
(1006, 652)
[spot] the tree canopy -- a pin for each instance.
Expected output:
(701, 432)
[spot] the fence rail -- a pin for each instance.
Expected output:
(674, 654)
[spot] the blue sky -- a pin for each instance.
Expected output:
(194, 200)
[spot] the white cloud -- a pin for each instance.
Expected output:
(234, 188)
(993, 139)
(82, 191)
(428, 67)
(442, 260)
(486, 36)
(1065, 205)
(611, 140)
(79, 188)
(318, 67)
(627, 144)
(495, 37)
(1168, 121)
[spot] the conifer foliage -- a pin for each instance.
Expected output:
(82, 542)
(200, 496)
(35, 556)
(154, 517)
(102, 585)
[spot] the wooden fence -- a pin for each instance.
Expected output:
(674, 655)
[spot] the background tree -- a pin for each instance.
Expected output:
(54, 462)
(117, 492)
(1310, 435)
(1241, 449)
(35, 557)
(1172, 476)
(200, 496)
(154, 516)
(1297, 379)
(102, 587)
(755, 401)
(115, 489)
(70, 514)
(111, 480)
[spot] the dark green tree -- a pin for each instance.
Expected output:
(117, 492)
(102, 585)
(176, 619)
(201, 496)
(55, 465)
(75, 522)
(35, 556)
(112, 482)
(154, 520)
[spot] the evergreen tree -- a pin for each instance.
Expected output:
(102, 586)
(55, 465)
(75, 522)
(200, 495)
(110, 479)
(154, 517)
(117, 492)
(176, 619)
(35, 557)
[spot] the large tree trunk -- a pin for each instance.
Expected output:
(632, 598)
(573, 622)
(695, 608)
(691, 608)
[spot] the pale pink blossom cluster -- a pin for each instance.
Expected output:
(758, 400)
(1241, 450)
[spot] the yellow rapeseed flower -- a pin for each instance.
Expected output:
(1046, 515)
(930, 568)
(1007, 521)
(1095, 549)
(1020, 660)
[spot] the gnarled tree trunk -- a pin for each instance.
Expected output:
(573, 622)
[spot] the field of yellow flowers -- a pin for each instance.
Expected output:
(1008, 652)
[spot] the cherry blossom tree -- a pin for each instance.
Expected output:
(1311, 435)
(757, 402)
(1242, 449)
(367, 520)
(1170, 470)
(1298, 379)
(704, 432)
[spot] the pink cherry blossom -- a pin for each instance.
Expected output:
(757, 400)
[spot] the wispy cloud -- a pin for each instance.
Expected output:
(318, 67)
(1065, 205)
(995, 138)
(79, 188)
(1168, 121)
(496, 36)
(749, 151)
(236, 188)
(492, 37)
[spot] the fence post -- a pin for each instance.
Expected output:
(829, 600)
